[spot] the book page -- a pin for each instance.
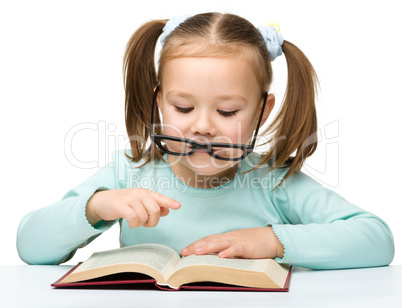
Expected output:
(158, 256)
(258, 265)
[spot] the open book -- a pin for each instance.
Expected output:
(168, 271)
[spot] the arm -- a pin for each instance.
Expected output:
(322, 230)
(52, 235)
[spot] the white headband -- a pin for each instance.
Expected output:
(273, 39)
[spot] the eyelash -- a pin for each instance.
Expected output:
(225, 114)
(183, 110)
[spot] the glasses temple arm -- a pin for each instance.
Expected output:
(153, 109)
(259, 120)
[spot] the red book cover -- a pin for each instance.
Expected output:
(139, 281)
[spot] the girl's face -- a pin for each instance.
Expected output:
(209, 99)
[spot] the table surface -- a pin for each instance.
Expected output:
(29, 286)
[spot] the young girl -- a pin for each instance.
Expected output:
(191, 180)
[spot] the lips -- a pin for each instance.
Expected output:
(201, 150)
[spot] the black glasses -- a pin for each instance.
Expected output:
(184, 147)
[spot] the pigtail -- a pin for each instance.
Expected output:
(295, 127)
(140, 79)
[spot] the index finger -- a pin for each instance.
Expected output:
(164, 201)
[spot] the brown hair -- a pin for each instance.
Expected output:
(214, 34)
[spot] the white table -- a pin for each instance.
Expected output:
(29, 286)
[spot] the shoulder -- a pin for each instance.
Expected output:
(123, 162)
(296, 181)
(124, 157)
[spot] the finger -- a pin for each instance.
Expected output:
(141, 216)
(209, 244)
(213, 246)
(153, 211)
(232, 251)
(130, 215)
(164, 211)
(164, 201)
(190, 249)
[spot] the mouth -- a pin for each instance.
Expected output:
(201, 150)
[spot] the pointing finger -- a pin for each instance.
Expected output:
(164, 201)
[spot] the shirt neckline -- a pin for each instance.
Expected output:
(204, 192)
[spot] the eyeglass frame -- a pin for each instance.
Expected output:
(247, 149)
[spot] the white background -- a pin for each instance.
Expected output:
(61, 66)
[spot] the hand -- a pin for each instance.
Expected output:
(139, 206)
(253, 243)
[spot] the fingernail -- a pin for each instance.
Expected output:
(177, 203)
(199, 249)
(185, 250)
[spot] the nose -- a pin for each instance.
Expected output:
(203, 125)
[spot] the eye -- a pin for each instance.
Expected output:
(183, 110)
(227, 113)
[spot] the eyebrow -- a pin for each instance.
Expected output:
(232, 97)
(224, 97)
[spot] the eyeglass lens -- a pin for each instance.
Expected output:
(178, 148)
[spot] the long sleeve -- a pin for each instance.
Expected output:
(51, 235)
(322, 230)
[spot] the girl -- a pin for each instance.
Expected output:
(193, 125)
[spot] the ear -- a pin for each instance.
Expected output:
(268, 108)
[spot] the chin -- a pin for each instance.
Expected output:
(209, 166)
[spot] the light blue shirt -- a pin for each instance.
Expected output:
(318, 228)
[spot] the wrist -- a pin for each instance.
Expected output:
(90, 210)
(280, 250)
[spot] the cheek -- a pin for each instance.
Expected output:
(239, 131)
(248, 126)
(247, 131)
(174, 125)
